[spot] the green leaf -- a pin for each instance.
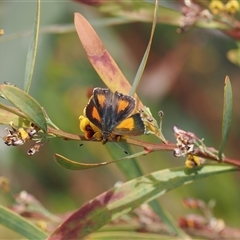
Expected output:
(227, 115)
(20, 225)
(73, 165)
(130, 195)
(146, 54)
(27, 104)
(12, 110)
(6, 117)
(32, 51)
(130, 170)
(168, 220)
(142, 11)
(126, 235)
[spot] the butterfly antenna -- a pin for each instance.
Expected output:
(81, 144)
(121, 148)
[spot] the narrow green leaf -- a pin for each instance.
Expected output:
(130, 195)
(25, 103)
(66, 28)
(126, 235)
(142, 11)
(6, 117)
(131, 170)
(73, 165)
(32, 50)
(168, 220)
(12, 110)
(146, 54)
(20, 225)
(227, 115)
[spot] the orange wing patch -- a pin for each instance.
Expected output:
(101, 100)
(95, 114)
(127, 124)
(132, 126)
(122, 104)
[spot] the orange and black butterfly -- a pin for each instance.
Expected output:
(113, 113)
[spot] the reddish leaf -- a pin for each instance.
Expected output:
(99, 57)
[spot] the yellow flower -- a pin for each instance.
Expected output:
(216, 6)
(193, 161)
(22, 134)
(232, 7)
(90, 130)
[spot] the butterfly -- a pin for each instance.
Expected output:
(113, 113)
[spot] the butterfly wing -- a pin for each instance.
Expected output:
(101, 98)
(95, 107)
(131, 126)
(92, 113)
(123, 106)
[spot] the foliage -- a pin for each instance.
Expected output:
(125, 206)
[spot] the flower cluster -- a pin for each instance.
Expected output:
(191, 13)
(231, 7)
(19, 136)
(185, 142)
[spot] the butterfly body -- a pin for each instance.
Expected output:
(112, 113)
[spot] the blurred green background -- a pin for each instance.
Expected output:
(184, 77)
